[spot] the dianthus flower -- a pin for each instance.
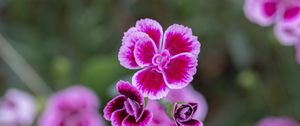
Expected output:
(75, 106)
(127, 109)
(277, 121)
(17, 108)
(167, 60)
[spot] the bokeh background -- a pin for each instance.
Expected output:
(243, 72)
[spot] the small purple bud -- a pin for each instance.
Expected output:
(183, 114)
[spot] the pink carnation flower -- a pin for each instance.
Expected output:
(75, 106)
(187, 94)
(127, 109)
(17, 108)
(167, 60)
(277, 121)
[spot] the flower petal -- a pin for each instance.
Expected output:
(287, 30)
(126, 89)
(291, 13)
(150, 83)
(180, 70)
(118, 117)
(261, 12)
(143, 121)
(179, 39)
(152, 28)
(192, 122)
(144, 51)
(113, 105)
(125, 55)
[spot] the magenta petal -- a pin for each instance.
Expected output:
(126, 56)
(192, 122)
(180, 71)
(143, 121)
(118, 117)
(179, 39)
(126, 89)
(150, 83)
(291, 13)
(261, 12)
(152, 28)
(144, 51)
(113, 105)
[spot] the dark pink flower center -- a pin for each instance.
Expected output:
(291, 13)
(270, 8)
(161, 59)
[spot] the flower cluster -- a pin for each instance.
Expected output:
(168, 60)
(285, 14)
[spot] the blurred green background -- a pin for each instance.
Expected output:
(243, 72)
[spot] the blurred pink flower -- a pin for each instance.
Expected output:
(187, 94)
(168, 60)
(277, 121)
(285, 14)
(75, 106)
(160, 117)
(127, 109)
(17, 108)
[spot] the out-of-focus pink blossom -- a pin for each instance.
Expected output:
(17, 108)
(75, 106)
(160, 117)
(183, 114)
(285, 14)
(188, 94)
(168, 60)
(277, 121)
(127, 109)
